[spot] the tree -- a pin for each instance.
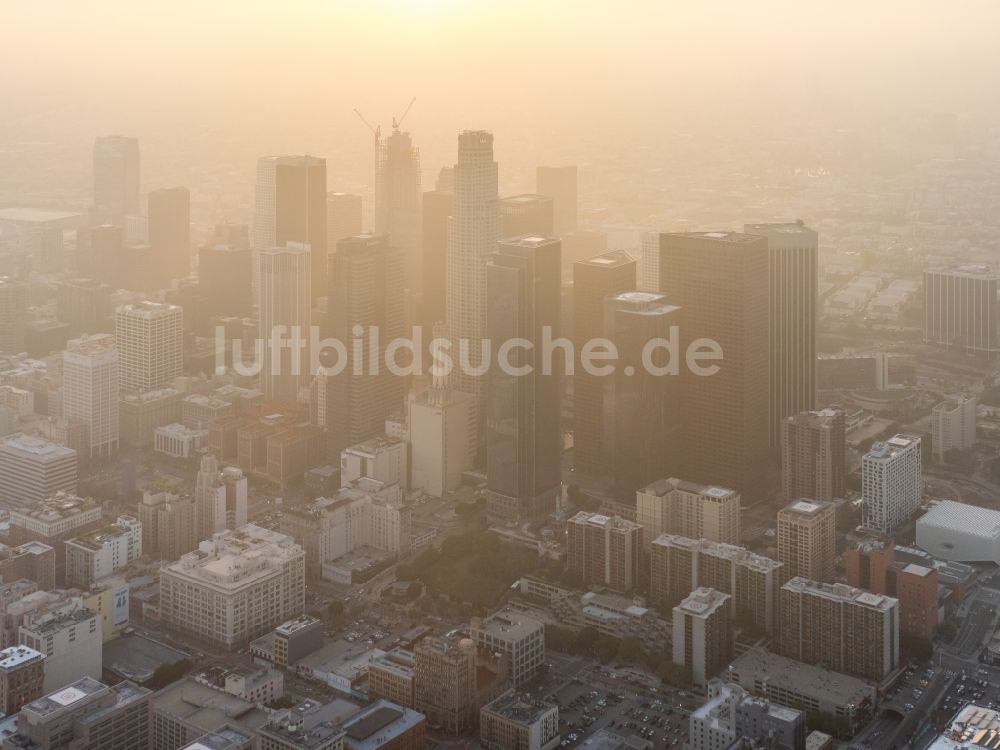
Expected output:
(918, 648)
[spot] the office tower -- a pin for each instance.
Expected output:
(84, 714)
(678, 565)
(290, 206)
(603, 551)
(343, 218)
(84, 305)
(169, 230)
(594, 280)
(235, 586)
(559, 183)
(524, 440)
(103, 254)
(515, 635)
(813, 455)
(807, 539)
(674, 506)
(365, 308)
(445, 421)
(385, 725)
(961, 308)
(34, 561)
(150, 341)
(793, 263)
(116, 179)
(210, 499)
(953, 425)
(383, 459)
(13, 314)
(22, 671)
(649, 262)
(100, 553)
(641, 408)
(720, 280)
(444, 675)
(527, 214)
(733, 718)
(168, 525)
(702, 639)
(397, 204)
(840, 627)
(891, 484)
(34, 469)
(225, 272)
(90, 391)
(284, 317)
(515, 720)
(437, 206)
(474, 229)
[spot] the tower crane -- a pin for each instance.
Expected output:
(397, 124)
(376, 129)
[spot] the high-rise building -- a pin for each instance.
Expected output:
(843, 628)
(720, 280)
(90, 391)
(675, 506)
(474, 228)
(284, 316)
(225, 272)
(149, 337)
(524, 440)
(168, 525)
(100, 553)
(602, 550)
(383, 459)
(733, 718)
(649, 262)
(444, 420)
(13, 315)
(813, 455)
(22, 672)
(560, 184)
(793, 262)
(290, 206)
(515, 635)
(437, 208)
(702, 637)
(916, 588)
(679, 565)
(220, 498)
(527, 214)
(444, 675)
(102, 254)
(397, 204)
(169, 230)
(807, 539)
(642, 423)
(891, 484)
(343, 217)
(521, 721)
(235, 586)
(53, 519)
(364, 304)
(116, 179)
(953, 425)
(34, 469)
(84, 305)
(594, 280)
(961, 308)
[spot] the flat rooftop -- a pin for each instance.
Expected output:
(805, 679)
(379, 724)
(702, 601)
(973, 726)
(520, 708)
(612, 259)
(841, 592)
(509, 624)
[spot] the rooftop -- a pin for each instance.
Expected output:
(235, 558)
(663, 487)
(739, 555)
(509, 624)
(520, 708)
(974, 726)
(612, 259)
(702, 601)
(36, 448)
(18, 656)
(961, 519)
(206, 708)
(822, 684)
(379, 723)
(805, 507)
(841, 592)
(309, 724)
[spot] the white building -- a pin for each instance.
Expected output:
(90, 390)
(220, 498)
(516, 634)
(150, 341)
(960, 533)
(891, 484)
(285, 312)
(953, 425)
(69, 634)
(520, 721)
(382, 459)
(701, 638)
(235, 586)
(445, 423)
(103, 552)
(178, 441)
(732, 714)
(398, 202)
(676, 506)
(649, 262)
(33, 469)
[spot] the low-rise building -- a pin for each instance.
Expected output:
(390, 677)
(185, 710)
(733, 719)
(178, 441)
(517, 635)
(69, 635)
(100, 553)
(519, 721)
(34, 561)
(22, 676)
(384, 725)
(307, 726)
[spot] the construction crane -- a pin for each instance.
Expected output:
(376, 129)
(397, 124)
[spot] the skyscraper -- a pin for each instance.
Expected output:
(365, 304)
(13, 314)
(961, 308)
(527, 214)
(813, 455)
(290, 206)
(90, 390)
(84, 305)
(891, 483)
(793, 264)
(720, 280)
(343, 217)
(807, 539)
(169, 231)
(397, 204)
(437, 207)
(473, 232)
(116, 179)
(225, 272)
(594, 279)
(675, 506)
(702, 638)
(559, 183)
(284, 317)
(641, 409)
(150, 341)
(524, 440)
(604, 551)
(102, 254)
(220, 498)
(649, 261)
